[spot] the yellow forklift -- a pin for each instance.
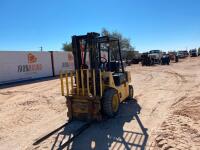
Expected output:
(95, 89)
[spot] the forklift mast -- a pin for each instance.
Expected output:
(92, 43)
(81, 45)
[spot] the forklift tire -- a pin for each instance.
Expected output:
(131, 92)
(110, 102)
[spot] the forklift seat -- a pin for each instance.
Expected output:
(114, 66)
(119, 78)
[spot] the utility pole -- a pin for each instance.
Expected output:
(41, 48)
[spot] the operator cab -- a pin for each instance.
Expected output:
(93, 46)
(114, 62)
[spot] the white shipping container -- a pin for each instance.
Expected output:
(63, 61)
(19, 66)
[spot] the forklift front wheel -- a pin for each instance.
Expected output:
(110, 102)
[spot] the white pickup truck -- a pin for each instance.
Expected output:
(156, 55)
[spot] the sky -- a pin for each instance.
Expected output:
(150, 24)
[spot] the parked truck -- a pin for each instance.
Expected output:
(156, 56)
(173, 56)
(165, 60)
(146, 60)
(193, 53)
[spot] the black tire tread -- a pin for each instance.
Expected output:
(107, 102)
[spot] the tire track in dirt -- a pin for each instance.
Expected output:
(181, 129)
(36, 91)
(164, 84)
(28, 105)
(172, 77)
(181, 79)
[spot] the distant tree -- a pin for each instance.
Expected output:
(130, 55)
(124, 43)
(67, 47)
(105, 32)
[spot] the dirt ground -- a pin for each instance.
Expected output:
(165, 116)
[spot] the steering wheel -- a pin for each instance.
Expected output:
(102, 58)
(105, 60)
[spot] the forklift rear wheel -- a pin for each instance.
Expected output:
(110, 102)
(131, 92)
